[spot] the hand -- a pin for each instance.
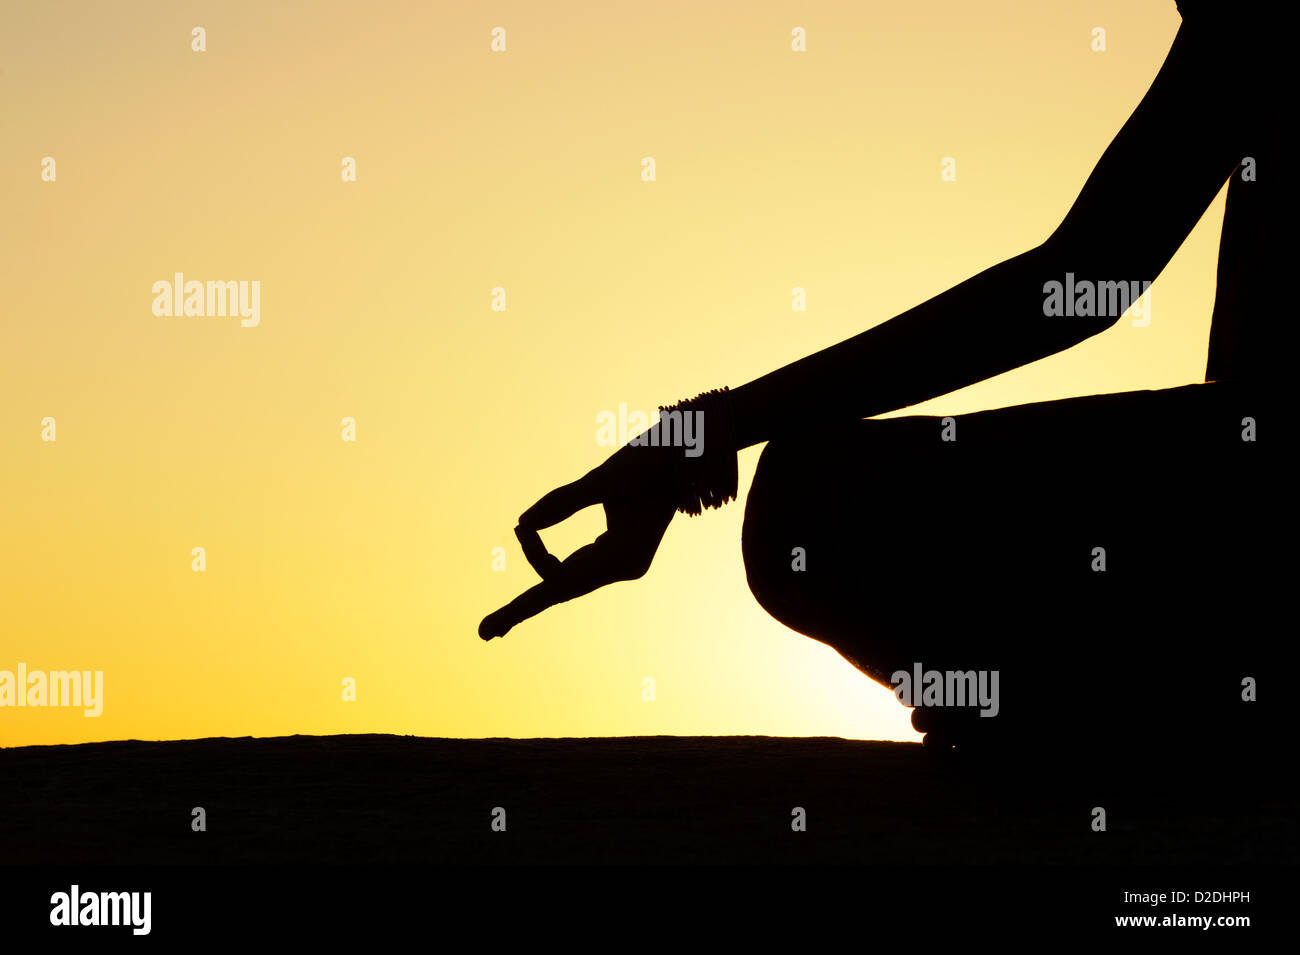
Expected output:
(633, 486)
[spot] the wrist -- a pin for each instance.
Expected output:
(700, 433)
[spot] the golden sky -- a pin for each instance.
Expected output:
(372, 560)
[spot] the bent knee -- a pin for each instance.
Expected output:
(772, 558)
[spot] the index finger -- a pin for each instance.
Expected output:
(535, 552)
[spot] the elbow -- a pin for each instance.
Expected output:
(1113, 255)
(1092, 288)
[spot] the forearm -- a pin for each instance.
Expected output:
(991, 323)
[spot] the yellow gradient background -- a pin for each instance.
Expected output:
(520, 169)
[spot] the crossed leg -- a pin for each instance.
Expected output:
(1088, 550)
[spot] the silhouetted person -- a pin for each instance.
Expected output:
(983, 552)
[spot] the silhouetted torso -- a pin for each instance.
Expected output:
(1246, 345)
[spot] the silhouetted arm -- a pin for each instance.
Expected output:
(1152, 184)
(1149, 189)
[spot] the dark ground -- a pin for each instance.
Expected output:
(624, 800)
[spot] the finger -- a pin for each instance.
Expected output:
(499, 622)
(528, 604)
(535, 552)
(587, 569)
(560, 504)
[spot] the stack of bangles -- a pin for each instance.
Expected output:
(709, 478)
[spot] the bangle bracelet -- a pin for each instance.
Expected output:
(708, 477)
